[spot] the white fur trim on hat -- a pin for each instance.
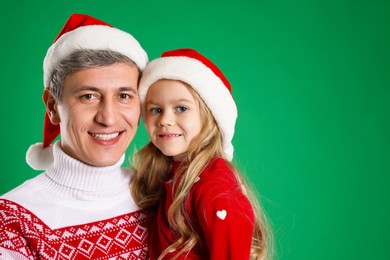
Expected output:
(38, 157)
(203, 80)
(93, 37)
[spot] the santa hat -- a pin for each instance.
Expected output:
(189, 66)
(80, 32)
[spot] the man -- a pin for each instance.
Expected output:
(80, 207)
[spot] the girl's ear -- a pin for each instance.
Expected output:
(51, 107)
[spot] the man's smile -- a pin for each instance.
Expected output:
(106, 136)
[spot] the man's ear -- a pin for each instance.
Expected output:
(51, 107)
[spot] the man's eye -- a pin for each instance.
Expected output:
(125, 96)
(87, 96)
(181, 109)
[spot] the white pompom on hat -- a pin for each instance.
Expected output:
(191, 67)
(79, 32)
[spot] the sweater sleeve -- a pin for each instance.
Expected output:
(225, 216)
(13, 244)
(6, 254)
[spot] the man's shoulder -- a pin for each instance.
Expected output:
(13, 214)
(24, 190)
(9, 207)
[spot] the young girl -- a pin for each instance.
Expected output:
(205, 209)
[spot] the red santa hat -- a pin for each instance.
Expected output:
(80, 32)
(189, 66)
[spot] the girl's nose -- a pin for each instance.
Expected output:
(166, 119)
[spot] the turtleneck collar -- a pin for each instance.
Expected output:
(71, 177)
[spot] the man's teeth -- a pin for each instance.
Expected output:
(105, 137)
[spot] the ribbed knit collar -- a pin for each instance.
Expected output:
(71, 177)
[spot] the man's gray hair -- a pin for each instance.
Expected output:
(83, 59)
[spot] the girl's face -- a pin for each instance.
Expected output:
(172, 117)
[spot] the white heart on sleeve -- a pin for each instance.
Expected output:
(221, 214)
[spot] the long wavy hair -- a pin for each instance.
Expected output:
(151, 167)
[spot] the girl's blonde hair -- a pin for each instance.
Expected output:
(151, 167)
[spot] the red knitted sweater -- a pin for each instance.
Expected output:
(24, 235)
(219, 212)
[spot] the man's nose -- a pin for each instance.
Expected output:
(107, 113)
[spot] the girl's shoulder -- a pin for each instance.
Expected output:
(217, 164)
(217, 171)
(217, 185)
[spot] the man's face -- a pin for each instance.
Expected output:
(98, 113)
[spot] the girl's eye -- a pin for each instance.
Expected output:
(181, 109)
(155, 110)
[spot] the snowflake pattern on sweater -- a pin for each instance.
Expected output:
(121, 237)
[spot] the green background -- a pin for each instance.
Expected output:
(311, 81)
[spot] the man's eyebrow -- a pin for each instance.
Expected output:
(125, 89)
(95, 89)
(86, 88)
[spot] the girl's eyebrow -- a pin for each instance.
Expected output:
(174, 101)
(151, 102)
(183, 100)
